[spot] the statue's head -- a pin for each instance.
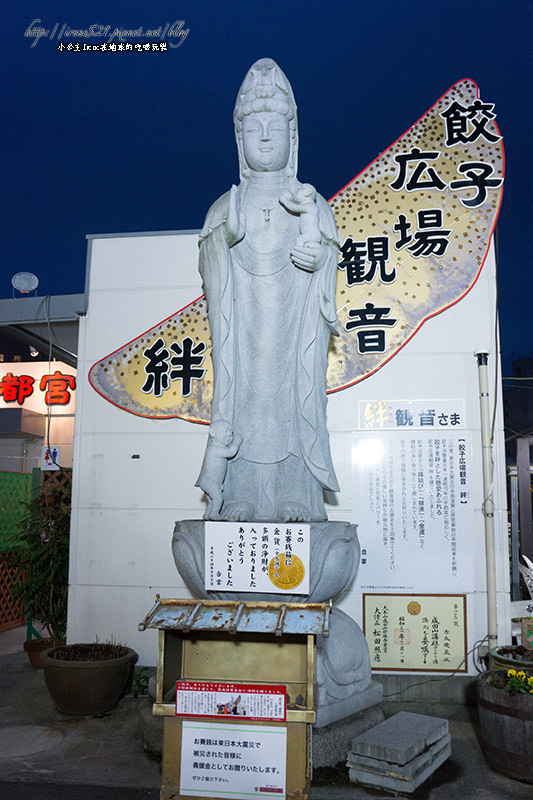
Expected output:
(265, 108)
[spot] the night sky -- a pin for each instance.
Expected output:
(113, 142)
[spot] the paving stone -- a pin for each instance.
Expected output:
(395, 782)
(405, 771)
(400, 738)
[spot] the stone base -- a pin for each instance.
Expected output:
(344, 679)
(338, 710)
(345, 685)
(331, 743)
(334, 559)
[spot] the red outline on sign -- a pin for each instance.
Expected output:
(136, 413)
(367, 375)
(435, 313)
(240, 688)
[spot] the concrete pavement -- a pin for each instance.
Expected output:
(45, 755)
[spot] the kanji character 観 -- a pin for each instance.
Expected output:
(356, 254)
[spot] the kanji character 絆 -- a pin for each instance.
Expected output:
(157, 369)
(186, 361)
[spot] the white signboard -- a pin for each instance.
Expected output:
(257, 557)
(408, 415)
(413, 507)
(50, 457)
(233, 761)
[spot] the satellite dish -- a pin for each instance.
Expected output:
(25, 282)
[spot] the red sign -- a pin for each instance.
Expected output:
(249, 701)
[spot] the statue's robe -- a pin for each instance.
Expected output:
(270, 326)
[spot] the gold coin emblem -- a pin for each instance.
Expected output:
(286, 573)
(414, 608)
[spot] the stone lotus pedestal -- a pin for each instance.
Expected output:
(345, 684)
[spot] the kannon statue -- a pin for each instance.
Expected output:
(268, 260)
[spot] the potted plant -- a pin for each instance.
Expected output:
(88, 678)
(511, 657)
(41, 554)
(505, 704)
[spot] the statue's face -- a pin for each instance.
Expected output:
(266, 141)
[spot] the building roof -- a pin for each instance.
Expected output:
(49, 324)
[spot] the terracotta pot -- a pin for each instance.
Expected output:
(34, 648)
(506, 723)
(88, 687)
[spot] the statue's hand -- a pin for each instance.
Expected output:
(310, 258)
(235, 222)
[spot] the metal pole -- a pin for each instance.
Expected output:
(488, 503)
(512, 473)
(523, 462)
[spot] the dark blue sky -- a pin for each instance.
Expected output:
(126, 141)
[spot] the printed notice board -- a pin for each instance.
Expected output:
(425, 632)
(237, 700)
(237, 762)
(257, 557)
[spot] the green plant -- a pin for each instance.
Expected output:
(41, 556)
(519, 682)
(140, 680)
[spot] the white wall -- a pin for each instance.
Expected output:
(124, 509)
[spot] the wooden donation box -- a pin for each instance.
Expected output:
(236, 688)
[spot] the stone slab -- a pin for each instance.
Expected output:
(401, 737)
(396, 783)
(405, 771)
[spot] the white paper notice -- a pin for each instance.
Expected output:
(214, 699)
(414, 510)
(233, 761)
(257, 557)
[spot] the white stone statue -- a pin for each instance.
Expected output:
(268, 259)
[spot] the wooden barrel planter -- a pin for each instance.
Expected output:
(506, 723)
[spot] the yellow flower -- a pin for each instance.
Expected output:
(511, 673)
(521, 675)
(530, 681)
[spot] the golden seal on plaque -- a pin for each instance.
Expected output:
(286, 574)
(414, 608)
